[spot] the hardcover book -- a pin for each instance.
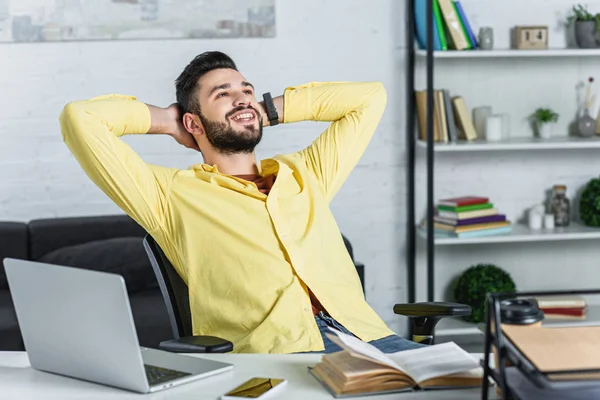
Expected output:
(361, 368)
(463, 201)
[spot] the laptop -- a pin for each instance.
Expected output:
(78, 323)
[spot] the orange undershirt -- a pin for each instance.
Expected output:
(264, 185)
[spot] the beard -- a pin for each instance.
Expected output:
(227, 140)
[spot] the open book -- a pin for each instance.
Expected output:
(361, 368)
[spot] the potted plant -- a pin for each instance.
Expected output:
(472, 286)
(587, 26)
(544, 118)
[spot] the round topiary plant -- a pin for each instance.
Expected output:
(473, 284)
(589, 204)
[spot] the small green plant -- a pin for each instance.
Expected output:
(544, 116)
(580, 13)
(472, 286)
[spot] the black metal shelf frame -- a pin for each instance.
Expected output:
(410, 153)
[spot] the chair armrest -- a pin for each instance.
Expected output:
(197, 344)
(433, 309)
(425, 316)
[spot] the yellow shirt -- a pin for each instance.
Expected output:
(245, 256)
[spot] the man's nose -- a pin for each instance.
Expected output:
(242, 99)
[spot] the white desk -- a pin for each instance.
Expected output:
(18, 381)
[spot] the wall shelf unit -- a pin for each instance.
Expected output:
(516, 143)
(510, 53)
(521, 233)
(424, 61)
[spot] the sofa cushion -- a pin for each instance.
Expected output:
(13, 244)
(10, 334)
(47, 235)
(124, 256)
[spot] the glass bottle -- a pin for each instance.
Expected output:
(560, 206)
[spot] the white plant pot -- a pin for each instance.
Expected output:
(545, 130)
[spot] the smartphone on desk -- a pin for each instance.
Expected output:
(255, 388)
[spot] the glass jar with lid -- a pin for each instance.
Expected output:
(560, 206)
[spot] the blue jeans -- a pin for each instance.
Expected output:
(389, 344)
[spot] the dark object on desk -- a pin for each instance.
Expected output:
(525, 349)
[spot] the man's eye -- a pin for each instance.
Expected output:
(223, 94)
(248, 91)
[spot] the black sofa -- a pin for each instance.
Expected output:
(107, 243)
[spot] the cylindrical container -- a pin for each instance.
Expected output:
(549, 221)
(560, 206)
(480, 114)
(535, 220)
(493, 128)
(486, 38)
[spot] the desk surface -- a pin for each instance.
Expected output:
(18, 381)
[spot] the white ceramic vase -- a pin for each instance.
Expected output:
(545, 130)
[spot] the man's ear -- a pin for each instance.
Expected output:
(192, 124)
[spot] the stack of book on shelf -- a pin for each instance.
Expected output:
(451, 118)
(469, 216)
(360, 368)
(451, 28)
(563, 307)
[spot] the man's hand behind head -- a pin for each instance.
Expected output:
(176, 129)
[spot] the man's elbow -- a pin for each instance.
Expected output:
(380, 92)
(69, 117)
(378, 95)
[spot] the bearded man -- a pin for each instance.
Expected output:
(256, 242)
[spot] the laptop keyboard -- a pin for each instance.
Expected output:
(158, 375)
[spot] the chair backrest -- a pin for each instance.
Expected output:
(175, 292)
(173, 288)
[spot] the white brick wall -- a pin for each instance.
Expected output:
(316, 40)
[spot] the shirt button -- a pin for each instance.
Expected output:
(306, 309)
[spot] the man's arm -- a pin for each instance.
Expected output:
(354, 109)
(92, 129)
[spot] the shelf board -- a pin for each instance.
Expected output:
(516, 143)
(458, 326)
(522, 233)
(509, 53)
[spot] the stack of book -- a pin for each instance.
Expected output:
(563, 307)
(469, 216)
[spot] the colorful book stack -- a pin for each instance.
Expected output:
(469, 216)
(451, 28)
(563, 307)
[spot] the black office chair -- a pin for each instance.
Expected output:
(424, 316)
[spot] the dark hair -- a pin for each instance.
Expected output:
(187, 83)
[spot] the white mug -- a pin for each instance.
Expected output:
(493, 128)
(549, 221)
(535, 221)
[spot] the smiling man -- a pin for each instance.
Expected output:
(256, 242)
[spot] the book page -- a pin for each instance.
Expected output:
(357, 347)
(434, 361)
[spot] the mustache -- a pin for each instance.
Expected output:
(242, 108)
